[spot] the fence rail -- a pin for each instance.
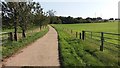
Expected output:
(101, 37)
(9, 36)
(5, 36)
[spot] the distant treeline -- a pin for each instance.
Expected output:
(71, 20)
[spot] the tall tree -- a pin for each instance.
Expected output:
(24, 16)
(13, 6)
(51, 14)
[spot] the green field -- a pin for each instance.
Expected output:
(99, 27)
(77, 52)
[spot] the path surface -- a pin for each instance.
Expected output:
(43, 52)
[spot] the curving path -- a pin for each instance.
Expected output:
(43, 52)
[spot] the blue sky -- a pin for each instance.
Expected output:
(82, 8)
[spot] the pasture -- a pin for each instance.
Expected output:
(77, 52)
(98, 27)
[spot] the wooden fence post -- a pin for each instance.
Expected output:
(83, 35)
(80, 35)
(76, 34)
(10, 36)
(102, 41)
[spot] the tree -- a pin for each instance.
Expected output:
(24, 15)
(79, 18)
(111, 19)
(51, 14)
(6, 16)
(13, 8)
(99, 18)
(88, 20)
(39, 14)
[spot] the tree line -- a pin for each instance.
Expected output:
(24, 15)
(71, 20)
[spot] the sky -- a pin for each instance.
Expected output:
(82, 8)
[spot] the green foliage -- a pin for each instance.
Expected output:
(71, 20)
(24, 15)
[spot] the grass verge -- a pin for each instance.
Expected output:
(11, 48)
(78, 53)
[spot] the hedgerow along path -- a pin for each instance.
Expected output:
(43, 52)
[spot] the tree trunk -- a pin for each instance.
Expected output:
(15, 27)
(40, 27)
(23, 33)
(15, 33)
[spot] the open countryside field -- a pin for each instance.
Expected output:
(98, 27)
(78, 52)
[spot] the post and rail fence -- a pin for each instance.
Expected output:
(6, 36)
(102, 37)
(9, 36)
